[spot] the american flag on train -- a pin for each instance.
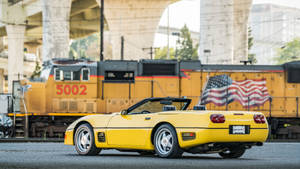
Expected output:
(221, 89)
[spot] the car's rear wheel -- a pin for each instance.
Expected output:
(84, 141)
(166, 142)
(233, 153)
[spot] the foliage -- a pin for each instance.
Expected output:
(162, 53)
(37, 70)
(250, 38)
(289, 52)
(78, 47)
(251, 56)
(185, 51)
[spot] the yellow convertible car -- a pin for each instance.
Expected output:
(165, 127)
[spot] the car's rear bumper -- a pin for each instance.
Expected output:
(215, 135)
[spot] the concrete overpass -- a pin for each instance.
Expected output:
(52, 23)
(45, 27)
(164, 30)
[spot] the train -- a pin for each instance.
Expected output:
(68, 89)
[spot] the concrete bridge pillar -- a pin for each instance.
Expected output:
(136, 21)
(1, 44)
(2, 80)
(224, 31)
(216, 31)
(15, 38)
(241, 15)
(56, 28)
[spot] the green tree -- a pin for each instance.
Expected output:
(79, 46)
(251, 56)
(162, 53)
(186, 50)
(289, 52)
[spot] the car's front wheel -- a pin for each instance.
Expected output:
(84, 141)
(233, 153)
(166, 142)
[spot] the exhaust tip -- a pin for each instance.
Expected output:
(259, 144)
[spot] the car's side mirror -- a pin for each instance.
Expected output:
(123, 112)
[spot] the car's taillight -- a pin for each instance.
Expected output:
(217, 118)
(259, 118)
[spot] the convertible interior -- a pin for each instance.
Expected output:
(153, 105)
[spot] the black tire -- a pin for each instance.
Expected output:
(233, 153)
(172, 150)
(84, 136)
(11, 132)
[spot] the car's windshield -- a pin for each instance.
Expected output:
(153, 106)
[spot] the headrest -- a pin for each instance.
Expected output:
(169, 108)
(199, 107)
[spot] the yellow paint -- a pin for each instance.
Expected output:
(134, 132)
(69, 137)
(42, 97)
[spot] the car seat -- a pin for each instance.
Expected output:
(169, 108)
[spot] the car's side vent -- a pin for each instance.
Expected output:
(101, 137)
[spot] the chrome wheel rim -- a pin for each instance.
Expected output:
(83, 142)
(164, 141)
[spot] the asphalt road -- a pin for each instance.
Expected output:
(60, 156)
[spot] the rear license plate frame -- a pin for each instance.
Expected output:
(233, 129)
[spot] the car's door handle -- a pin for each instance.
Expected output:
(147, 118)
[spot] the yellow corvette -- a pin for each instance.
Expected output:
(165, 127)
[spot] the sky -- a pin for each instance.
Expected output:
(188, 12)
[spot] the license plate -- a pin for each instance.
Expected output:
(239, 129)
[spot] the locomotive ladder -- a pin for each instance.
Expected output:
(19, 125)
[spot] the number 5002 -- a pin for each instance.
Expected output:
(71, 89)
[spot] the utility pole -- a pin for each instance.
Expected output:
(168, 32)
(177, 41)
(152, 50)
(122, 47)
(101, 29)
(207, 54)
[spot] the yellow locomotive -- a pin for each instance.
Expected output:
(69, 89)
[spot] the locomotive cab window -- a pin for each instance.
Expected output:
(67, 75)
(57, 74)
(85, 72)
(119, 75)
(76, 75)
